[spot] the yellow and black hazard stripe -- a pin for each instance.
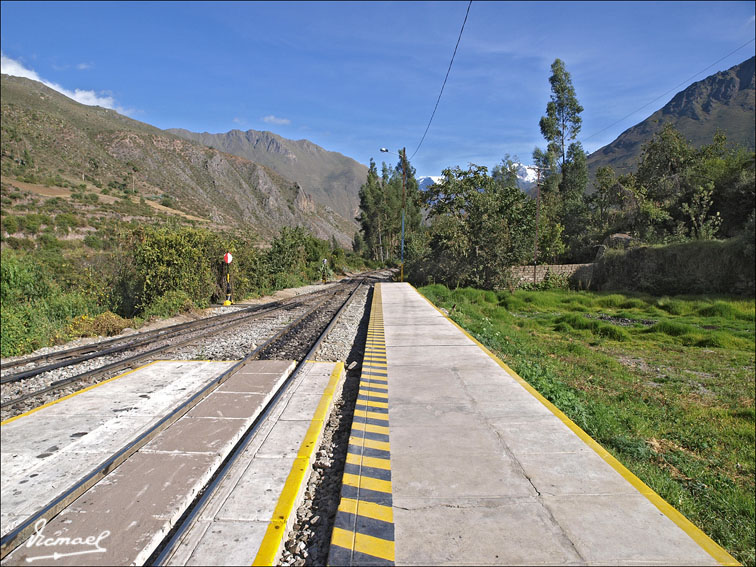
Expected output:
(363, 531)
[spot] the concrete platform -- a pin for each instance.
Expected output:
(484, 471)
(47, 451)
(139, 502)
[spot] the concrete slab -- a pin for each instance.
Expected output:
(419, 335)
(455, 475)
(197, 435)
(229, 405)
(545, 436)
(228, 543)
(562, 474)
(623, 529)
(284, 439)
(80, 432)
(256, 494)
(259, 377)
(235, 518)
(454, 356)
(127, 504)
(301, 407)
(479, 532)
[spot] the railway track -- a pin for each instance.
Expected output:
(42, 377)
(298, 340)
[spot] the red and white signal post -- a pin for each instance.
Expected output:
(227, 259)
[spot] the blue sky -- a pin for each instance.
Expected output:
(355, 76)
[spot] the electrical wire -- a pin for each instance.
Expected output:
(669, 91)
(443, 85)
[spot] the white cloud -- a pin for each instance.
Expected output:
(238, 120)
(270, 119)
(10, 66)
(84, 66)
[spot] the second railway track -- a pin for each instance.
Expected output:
(43, 378)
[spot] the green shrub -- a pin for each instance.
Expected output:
(725, 311)
(10, 224)
(105, 324)
(169, 304)
(22, 279)
(671, 328)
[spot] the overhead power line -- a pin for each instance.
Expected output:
(445, 78)
(670, 90)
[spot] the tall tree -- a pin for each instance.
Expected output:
(564, 170)
(481, 225)
(562, 121)
(380, 215)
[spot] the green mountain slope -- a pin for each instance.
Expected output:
(723, 101)
(46, 134)
(332, 179)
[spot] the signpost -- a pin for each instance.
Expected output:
(227, 259)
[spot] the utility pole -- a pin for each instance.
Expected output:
(538, 213)
(404, 184)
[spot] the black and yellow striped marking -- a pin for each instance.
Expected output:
(363, 531)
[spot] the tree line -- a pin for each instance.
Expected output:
(472, 225)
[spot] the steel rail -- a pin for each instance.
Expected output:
(174, 537)
(131, 360)
(69, 357)
(13, 538)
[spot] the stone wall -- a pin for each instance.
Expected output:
(579, 274)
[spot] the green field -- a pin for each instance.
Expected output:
(666, 384)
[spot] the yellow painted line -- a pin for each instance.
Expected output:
(372, 364)
(369, 394)
(695, 533)
(374, 462)
(373, 404)
(271, 543)
(369, 545)
(373, 384)
(371, 415)
(370, 428)
(69, 396)
(366, 482)
(342, 538)
(318, 362)
(370, 443)
(367, 509)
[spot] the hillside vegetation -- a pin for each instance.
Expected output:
(49, 139)
(64, 289)
(725, 101)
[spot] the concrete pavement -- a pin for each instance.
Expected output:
(484, 471)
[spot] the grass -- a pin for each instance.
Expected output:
(666, 384)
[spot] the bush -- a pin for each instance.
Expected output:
(105, 324)
(671, 328)
(10, 224)
(170, 304)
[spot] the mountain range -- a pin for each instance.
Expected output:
(60, 138)
(722, 101)
(262, 181)
(331, 178)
